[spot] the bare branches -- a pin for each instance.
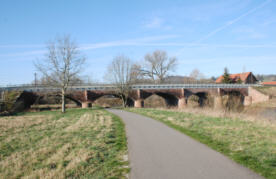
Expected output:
(120, 73)
(196, 75)
(61, 64)
(157, 65)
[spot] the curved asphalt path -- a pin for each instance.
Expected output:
(157, 151)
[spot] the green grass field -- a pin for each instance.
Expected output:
(78, 144)
(252, 144)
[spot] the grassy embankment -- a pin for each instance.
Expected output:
(78, 144)
(250, 143)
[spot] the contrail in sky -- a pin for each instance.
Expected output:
(232, 22)
(225, 25)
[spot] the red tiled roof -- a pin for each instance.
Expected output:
(269, 83)
(235, 77)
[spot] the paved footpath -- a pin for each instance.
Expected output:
(157, 151)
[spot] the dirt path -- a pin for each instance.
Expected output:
(157, 151)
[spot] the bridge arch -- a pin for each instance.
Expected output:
(77, 102)
(155, 100)
(170, 99)
(24, 101)
(233, 100)
(108, 102)
(202, 97)
(57, 97)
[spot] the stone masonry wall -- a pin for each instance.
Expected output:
(257, 96)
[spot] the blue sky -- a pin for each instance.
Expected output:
(208, 35)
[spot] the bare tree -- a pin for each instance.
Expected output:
(61, 65)
(157, 65)
(136, 74)
(120, 73)
(196, 75)
(46, 80)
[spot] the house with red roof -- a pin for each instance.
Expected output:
(245, 78)
(269, 83)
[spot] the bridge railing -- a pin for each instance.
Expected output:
(113, 87)
(174, 86)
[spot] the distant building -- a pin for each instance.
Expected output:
(269, 83)
(246, 78)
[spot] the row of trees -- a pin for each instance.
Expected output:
(123, 72)
(63, 63)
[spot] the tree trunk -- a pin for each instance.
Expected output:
(123, 101)
(63, 101)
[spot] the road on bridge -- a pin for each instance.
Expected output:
(157, 151)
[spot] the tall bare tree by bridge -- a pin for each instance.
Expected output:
(120, 73)
(157, 65)
(61, 65)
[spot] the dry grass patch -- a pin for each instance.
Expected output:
(251, 113)
(7, 123)
(268, 90)
(55, 145)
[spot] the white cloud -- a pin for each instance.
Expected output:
(196, 45)
(232, 59)
(22, 46)
(27, 53)
(146, 42)
(129, 42)
(247, 32)
(269, 22)
(155, 22)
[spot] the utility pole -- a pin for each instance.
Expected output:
(35, 79)
(2, 98)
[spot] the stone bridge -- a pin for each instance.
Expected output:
(173, 94)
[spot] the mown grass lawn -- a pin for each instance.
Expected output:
(251, 144)
(82, 143)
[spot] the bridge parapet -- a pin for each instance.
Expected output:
(33, 88)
